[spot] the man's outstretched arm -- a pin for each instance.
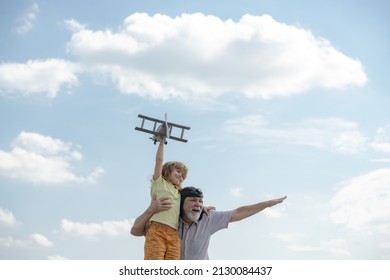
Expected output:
(156, 205)
(249, 210)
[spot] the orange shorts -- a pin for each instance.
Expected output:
(161, 243)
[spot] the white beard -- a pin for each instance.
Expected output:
(193, 217)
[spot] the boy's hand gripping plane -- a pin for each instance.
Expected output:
(163, 130)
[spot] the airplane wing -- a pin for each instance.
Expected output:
(159, 128)
(150, 119)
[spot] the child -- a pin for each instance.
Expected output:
(162, 241)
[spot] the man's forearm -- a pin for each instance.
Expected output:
(156, 205)
(249, 210)
(138, 228)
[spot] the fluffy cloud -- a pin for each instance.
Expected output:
(37, 77)
(363, 203)
(42, 159)
(56, 257)
(40, 240)
(382, 139)
(273, 213)
(35, 239)
(11, 242)
(73, 25)
(236, 191)
(199, 55)
(26, 23)
(333, 247)
(94, 230)
(192, 56)
(334, 134)
(7, 218)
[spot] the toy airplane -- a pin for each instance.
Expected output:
(164, 129)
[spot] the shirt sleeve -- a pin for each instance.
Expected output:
(219, 220)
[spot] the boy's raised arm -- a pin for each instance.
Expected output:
(159, 159)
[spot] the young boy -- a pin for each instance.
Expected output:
(162, 241)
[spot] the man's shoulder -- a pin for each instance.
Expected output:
(218, 214)
(215, 221)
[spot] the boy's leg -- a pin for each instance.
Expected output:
(173, 245)
(155, 243)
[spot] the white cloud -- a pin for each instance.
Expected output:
(332, 246)
(73, 25)
(56, 257)
(192, 56)
(286, 237)
(382, 139)
(42, 159)
(381, 160)
(334, 134)
(272, 213)
(35, 239)
(195, 55)
(11, 242)
(363, 203)
(385, 245)
(37, 77)
(26, 22)
(94, 230)
(7, 218)
(40, 240)
(236, 191)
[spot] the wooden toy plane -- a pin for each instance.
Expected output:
(164, 129)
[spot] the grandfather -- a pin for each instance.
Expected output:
(196, 225)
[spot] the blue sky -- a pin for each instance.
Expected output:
(283, 98)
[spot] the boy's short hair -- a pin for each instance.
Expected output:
(170, 165)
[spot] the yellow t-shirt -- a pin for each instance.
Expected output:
(163, 188)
